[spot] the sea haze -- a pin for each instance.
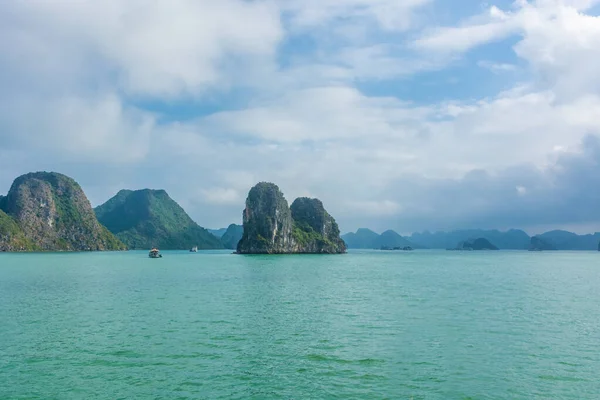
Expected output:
(364, 325)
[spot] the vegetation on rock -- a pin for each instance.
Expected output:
(476, 244)
(232, 236)
(147, 218)
(12, 237)
(271, 227)
(54, 214)
(314, 229)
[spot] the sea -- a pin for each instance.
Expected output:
(363, 325)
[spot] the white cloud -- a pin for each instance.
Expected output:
(159, 48)
(78, 76)
(222, 196)
(384, 208)
(494, 25)
(92, 129)
(562, 45)
(497, 68)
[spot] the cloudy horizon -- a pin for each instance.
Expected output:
(409, 115)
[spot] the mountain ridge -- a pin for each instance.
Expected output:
(148, 218)
(512, 239)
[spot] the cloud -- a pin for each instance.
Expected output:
(497, 68)
(388, 14)
(220, 195)
(159, 49)
(204, 99)
(564, 193)
(494, 25)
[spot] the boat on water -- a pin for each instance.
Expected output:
(154, 253)
(194, 249)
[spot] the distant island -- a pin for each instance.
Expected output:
(48, 211)
(538, 243)
(367, 239)
(405, 248)
(475, 245)
(271, 227)
(513, 239)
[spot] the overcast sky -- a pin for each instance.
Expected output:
(401, 114)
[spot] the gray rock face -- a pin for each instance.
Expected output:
(271, 227)
(268, 222)
(53, 212)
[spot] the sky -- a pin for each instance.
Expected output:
(398, 114)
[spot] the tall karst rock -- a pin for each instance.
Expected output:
(271, 227)
(52, 213)
(315, 231)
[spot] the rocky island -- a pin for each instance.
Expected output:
(539, 244)
(475, 244)
(48, 211)
(272, 227)
(147, 218)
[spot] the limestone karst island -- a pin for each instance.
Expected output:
(48, 211)
(272, 227)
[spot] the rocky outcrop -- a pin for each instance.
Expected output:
(148, 218)
(539, 244)
(476, 244)
(268, 222)
(271, 227)
(315, 231)
(53, 214)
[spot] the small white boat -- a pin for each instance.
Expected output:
(154, 253)
(194, 249)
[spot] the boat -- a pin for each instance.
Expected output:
(154, 253)
(194, 249)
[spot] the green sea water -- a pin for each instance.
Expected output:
(364, 325)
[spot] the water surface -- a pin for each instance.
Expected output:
(365, 325)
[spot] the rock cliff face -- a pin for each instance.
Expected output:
(53, 213)
(147, 218)
(267, 222)
(271, 227)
